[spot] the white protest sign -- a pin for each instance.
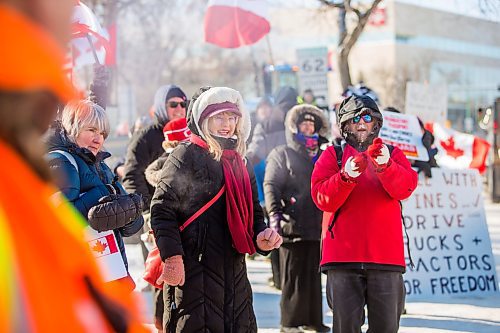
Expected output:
(448, 236)
(427, 101)
(403, 131)
(313, 69)
(104, 247)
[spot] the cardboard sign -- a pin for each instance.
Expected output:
(448, 236)
(104, 247)
(427, 101)
(403, 131)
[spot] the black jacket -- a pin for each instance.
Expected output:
(287, 184)
(219, 297)
(144, 147)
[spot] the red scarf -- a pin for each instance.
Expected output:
(239, 200)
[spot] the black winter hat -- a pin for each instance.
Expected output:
(355, 105)
(175, 91)
(307, 116)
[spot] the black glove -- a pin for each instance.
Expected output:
(99, 86)
(115, 211)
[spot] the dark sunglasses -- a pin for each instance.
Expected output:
(367, 118)
(175, 104)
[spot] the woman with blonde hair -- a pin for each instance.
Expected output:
(76, 158)
(206, 216)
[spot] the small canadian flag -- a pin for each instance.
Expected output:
(103, 246)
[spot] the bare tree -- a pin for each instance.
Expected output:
(348, 34)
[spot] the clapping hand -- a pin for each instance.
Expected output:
(355, 165)
(378, 153)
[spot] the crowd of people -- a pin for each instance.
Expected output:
(202, 187)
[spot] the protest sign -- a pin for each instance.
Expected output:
(427, 101)
(448, 237)
(404, 132)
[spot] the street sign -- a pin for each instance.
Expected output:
(313, 69)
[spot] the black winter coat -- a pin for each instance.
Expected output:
(84, 188)
(217, 295)
(287, 189)
(144, 147)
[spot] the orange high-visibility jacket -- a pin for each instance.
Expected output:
(44, 261)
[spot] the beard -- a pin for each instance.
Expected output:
(361, 140)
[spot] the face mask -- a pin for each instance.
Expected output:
(310, 142)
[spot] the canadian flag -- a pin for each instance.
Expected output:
(234, 23)
(90, 42)
(458, 150)
(104, 247)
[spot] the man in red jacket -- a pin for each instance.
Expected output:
(362, 252)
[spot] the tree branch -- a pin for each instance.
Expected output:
(353, 37)
(331, 4)
(349, 8)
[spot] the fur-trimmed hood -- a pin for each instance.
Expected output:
(293, 115)
(216, 95)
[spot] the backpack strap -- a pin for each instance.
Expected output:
(68, 156)
(339, 152)
(202, 209)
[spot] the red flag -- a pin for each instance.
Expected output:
(459, 150)
(234, 23)
(90, 42)
(111, 46)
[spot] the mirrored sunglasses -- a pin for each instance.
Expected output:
(175, 104)
(367, 118)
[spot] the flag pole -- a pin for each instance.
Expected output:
(269, 50)
(256, 70)
(93, 49)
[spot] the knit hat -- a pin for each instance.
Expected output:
(214, 109)
(356, 105)
(176, 130)
(162, 95)
(216, 100)
(175, 91)
(302, 112)
(307, 116)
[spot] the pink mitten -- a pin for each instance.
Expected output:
(268, 239)
(173, 272)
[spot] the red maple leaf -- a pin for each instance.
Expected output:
(451, 150)
(99, 247)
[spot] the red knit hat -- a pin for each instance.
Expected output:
(176, 130)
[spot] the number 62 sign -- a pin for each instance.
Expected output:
(313, 64)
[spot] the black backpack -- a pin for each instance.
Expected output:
(339, 151)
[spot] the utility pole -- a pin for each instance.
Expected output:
(495, 166)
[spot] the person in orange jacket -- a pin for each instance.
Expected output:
(49, 281)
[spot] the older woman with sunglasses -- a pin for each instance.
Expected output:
(362, 249)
